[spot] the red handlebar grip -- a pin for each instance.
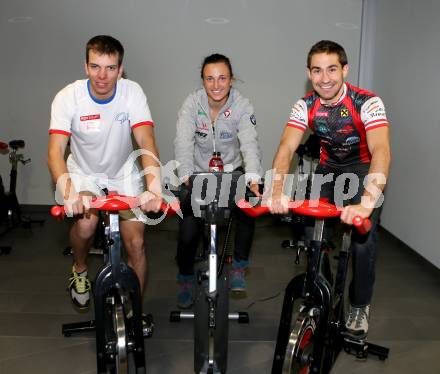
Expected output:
(363, 225)
(170, 209)
(57, 211)
(260, 210)
(252, 211)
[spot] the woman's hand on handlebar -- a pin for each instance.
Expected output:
(351, 211)
(150, 202)
(277, 203)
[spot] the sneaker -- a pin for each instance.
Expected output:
(185, 298)
(357, 321)
(147, 325)
(79, 289)
(238, 281)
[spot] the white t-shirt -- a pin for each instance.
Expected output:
(100, 131)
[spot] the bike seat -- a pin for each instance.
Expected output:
(15, 144)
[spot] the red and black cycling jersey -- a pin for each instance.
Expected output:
(341, 127)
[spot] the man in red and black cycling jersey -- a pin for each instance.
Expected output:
(353, 131)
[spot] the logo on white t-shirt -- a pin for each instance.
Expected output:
(122, 118)
(90, 123)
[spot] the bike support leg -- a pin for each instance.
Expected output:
(361, 348)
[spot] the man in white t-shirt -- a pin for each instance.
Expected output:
(98, 116)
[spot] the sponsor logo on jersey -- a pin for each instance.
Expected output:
(226, 135)
(322, 114)
(373, 104)
(203, 126)
(253, 119)
(352, 140)
(371, 108)
(298, 115)
(345, 112)
(122, 118)
(297, 107)
(347, 129)
(379, 113)
(90, 123)
(201, 113)
(90, 117)
(321, 127)
(227, 113)
(341, 151)
(201, 134)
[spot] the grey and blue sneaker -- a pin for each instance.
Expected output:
(185, 297)
(237, 275)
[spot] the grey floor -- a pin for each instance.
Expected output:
(34, 304)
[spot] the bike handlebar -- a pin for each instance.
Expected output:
(313, 208)
(362, 225)
(115, 202)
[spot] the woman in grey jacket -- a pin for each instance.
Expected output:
(215, 118)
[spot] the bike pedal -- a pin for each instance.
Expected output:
(356, 347)
(147, 326)
(147, 332)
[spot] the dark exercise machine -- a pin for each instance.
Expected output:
(312, 330)
(11, 215)
(117, 298)
(213, 193)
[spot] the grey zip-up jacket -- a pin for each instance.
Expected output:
(234, 135)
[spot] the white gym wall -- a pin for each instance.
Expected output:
(402, 65)
(267, 41)
(165, 42)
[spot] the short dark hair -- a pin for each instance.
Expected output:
(214, 59)
(327, 46)
(107, 45)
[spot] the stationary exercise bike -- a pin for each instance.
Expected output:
(11, 216)
(117, 298)
(211, 302)
(310, 340)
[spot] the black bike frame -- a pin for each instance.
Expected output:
(120, 281)
(316, 290)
